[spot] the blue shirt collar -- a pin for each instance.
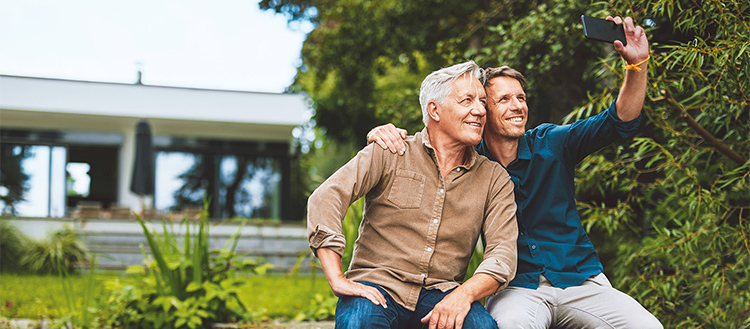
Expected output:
(523, 147)
(524, 152)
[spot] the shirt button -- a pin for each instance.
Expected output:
(435, 220)
(429, 249)
(533, 247)
(441, 191)
(422, 275)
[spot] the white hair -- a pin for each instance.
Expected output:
(439, 84)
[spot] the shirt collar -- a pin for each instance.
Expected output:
(426, 143)
(524, 152)
(426, 139)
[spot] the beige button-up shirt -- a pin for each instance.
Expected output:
(419, 229)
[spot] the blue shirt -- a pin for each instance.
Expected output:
(551, 239)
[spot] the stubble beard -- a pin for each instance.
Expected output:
(504, 134)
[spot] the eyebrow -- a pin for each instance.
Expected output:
(511, 94)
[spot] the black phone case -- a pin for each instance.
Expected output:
(603, 30)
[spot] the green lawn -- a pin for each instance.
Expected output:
(35, 296)
(283, 296)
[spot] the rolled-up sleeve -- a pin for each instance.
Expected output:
(327, 206)
(501, 232)
(323, 237)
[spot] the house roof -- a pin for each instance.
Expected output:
(43, 103)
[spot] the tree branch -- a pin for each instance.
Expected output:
(707, 136)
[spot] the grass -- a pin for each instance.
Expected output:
(282, 296)
(41, 296)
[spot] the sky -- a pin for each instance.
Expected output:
(223, 44)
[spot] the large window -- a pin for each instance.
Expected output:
(48, 174)
(54, 174)
(33, 180)
(244, 186)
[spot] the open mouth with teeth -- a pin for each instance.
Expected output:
(515, 119)
(475, 124)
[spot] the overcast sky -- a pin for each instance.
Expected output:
(223, 44)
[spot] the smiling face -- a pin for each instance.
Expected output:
(507, 111)
(463, 115)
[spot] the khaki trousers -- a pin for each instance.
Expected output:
(594, 304)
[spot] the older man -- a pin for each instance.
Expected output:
(423, 216)
(560, 281)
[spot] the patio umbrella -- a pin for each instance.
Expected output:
(143, 167)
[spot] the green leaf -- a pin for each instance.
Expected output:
(193, 286)
(135, 269)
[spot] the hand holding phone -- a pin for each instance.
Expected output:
(603, 30)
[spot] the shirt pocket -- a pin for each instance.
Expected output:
(407, 189)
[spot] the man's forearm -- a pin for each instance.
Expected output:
(456, 305)
(340, 285)
(632, 93)
(330, 261)
(479, 286)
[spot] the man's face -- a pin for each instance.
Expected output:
(463, 113)
(507, 111)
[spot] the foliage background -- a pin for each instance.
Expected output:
(668, 211)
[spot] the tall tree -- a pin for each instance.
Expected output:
(356, 42)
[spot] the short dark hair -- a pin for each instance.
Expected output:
(503, 71)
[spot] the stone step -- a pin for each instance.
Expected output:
(118, 242)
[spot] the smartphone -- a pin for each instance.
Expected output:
(603, 30)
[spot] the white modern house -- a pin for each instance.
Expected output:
(72, 143)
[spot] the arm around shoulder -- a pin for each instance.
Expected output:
(388, 137)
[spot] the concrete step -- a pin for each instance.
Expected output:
(119, 242)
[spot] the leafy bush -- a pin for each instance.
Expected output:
(185, 286)
(12, 243)
(671, 208)
(59, 253)
(321, 308)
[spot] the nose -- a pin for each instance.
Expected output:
(479, 109)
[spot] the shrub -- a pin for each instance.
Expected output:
(184, 286)
(60, 252)
(12, 242)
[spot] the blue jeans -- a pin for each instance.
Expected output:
(360, 312)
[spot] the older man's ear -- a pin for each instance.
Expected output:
(433, 111)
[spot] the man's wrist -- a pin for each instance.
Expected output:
(636, 66)
(465, 294)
